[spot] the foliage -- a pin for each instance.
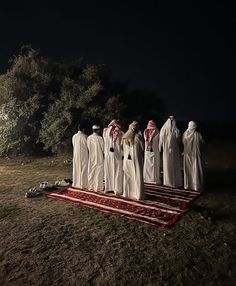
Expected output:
(23, 89)
(42, 102)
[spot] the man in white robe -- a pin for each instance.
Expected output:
(133, 147)
(151, 168)
(193, 175)
(169, 141)
(113, 163)
(80, 159)
(95, 145)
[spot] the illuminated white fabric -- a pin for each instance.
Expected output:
(169, 141)
(193, 174)
(80, 160)
(151, 168)
(95, 145)
(113, 163)
(133, 185)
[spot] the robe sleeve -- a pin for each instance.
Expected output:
(85, 140)
(200, 138)
(161, 140)
(183, 138)
(102, 145)
(88, 144)
(104, 132)
(142, 143)
(178, 135)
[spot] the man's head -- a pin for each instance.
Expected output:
(134, 126)
(81, 127)
(192, 125)
(96, 128)
(151, 125)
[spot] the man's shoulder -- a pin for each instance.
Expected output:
(79, 134)
(94, 135)
(75, 136)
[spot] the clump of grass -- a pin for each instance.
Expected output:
(9, 211)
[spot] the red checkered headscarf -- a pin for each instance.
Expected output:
(150, 132)
(114, 130)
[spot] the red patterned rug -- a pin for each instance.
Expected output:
(163, 206)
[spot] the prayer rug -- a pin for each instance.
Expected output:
(162, 207)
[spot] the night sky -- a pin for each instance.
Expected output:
(184, 51)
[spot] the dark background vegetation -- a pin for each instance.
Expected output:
(43, 101)
(138, 61)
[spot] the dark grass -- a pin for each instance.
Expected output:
(48, 242)
(9, 211)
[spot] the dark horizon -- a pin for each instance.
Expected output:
(182, 52)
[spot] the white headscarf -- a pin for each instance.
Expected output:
(128, 137)
(190, 130)
(96, 127)
(189, 136)
(192, 126)
(168, 130)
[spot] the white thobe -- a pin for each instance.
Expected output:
(80, 160)
(95, 145)
(113, 163)
(193, 174)
(151, 168)
(169, 141)
(133, 185)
